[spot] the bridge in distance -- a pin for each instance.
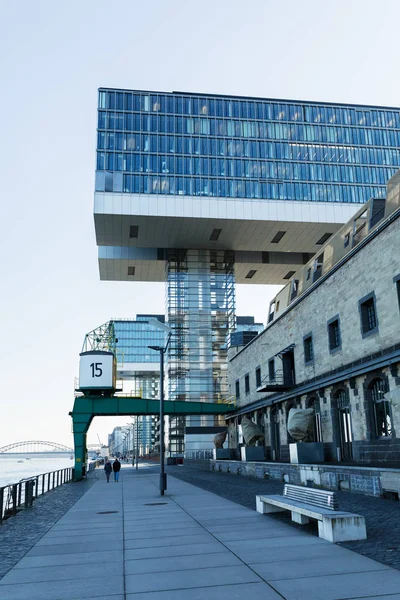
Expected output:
(34, 446)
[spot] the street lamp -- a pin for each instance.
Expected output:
(162, 350)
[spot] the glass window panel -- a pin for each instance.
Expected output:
(153, 143)
(187, 106)
(102, 119)
(112, 120)
(117, 182)
(128, 105)
(128, 183)
(111, 100)
(102, 99)
(101, 140)
(108, 182)
(145, 102)
(110, 161)
(187, 186)
(119, 101)
(100, 181)
(136, 102)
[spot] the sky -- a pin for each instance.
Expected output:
(53, 57)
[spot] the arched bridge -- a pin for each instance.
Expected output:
(35, 446)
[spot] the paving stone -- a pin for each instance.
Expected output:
(58, 573)
(335, 587)
(190, 578)
(221, 592)
(82, 587)
(382, 516)
(158, 565)
(349, 563)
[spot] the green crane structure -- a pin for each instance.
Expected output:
(91, 403)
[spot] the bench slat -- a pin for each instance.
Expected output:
(304, 508)
(319, 498)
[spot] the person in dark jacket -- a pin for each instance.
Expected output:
(108, 469)
(116, 468)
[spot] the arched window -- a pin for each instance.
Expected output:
(380, 409)
(314, 403)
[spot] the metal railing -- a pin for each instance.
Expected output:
(17, 496)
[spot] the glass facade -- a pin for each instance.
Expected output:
(134, 337)
(251, 148)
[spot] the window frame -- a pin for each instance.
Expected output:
(258, 377)
(330, 322)
(308, 344)
(271, 363)
(396, 281)
(247, 383)
(237, 388)
(363, 316)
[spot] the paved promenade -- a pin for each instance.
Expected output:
(382, 516)
(122, 541)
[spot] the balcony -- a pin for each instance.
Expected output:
(276, 382)
(280, 380)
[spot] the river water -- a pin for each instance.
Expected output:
(14, 467)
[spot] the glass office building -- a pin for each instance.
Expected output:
(139, 368)
(233, 147)
(204, 191)
(135, 337)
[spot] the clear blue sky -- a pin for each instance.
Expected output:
(54, 56)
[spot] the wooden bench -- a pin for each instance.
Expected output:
(309, 503)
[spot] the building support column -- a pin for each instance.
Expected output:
(201, 313)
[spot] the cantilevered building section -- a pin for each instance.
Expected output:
(202, 191)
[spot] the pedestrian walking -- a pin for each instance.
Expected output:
(108, 469)
(116, 468)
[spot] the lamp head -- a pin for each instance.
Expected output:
(157, 348)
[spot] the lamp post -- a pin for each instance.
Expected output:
(162, 350)
(137, 442)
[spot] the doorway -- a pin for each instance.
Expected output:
(288, 368)
(275, 435)
(345, 434)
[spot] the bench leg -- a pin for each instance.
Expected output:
(264, 508)
(342, 529)
(299, 518)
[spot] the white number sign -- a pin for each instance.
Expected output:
(97, 371)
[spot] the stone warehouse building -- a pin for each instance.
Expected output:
(332, 343)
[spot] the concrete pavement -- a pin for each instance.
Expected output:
(122, 541)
